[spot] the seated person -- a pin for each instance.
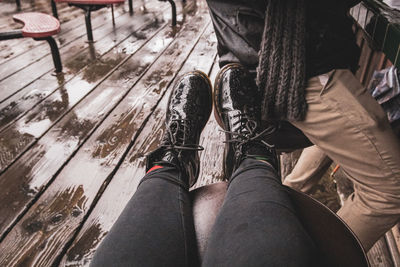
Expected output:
(303, 53)
(257, 221)
(258, 224)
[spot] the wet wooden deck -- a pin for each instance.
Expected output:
(72, 145)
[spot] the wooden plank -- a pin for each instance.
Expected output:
(18, 104)
(72, 23)
(212, 140)
(8, 153)
(364, 58)
(17, 47)
(375, 64)
(38, 5)
(42, 52)
(8, 9)
(378, 255)
(15, 139)
(367, 57)
(71, 19)
(392, 248)
(30, 174)
(124, 183)
(34, 53)
(396, 235)
(26, 76)
(42, 233)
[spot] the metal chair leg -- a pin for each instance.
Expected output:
(88, 25)
(54, 9)
(112, 14)
(173, 6)
(18, 5)
(54, 52)
(53, 45)
(88, 9)
(11, 35)
(130, 7)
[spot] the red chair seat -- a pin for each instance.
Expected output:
(37, 25)
(91, 2)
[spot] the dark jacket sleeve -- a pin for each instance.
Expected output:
(351, 3)
(332, 4)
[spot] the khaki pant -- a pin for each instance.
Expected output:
(309, 169)
(352, 129)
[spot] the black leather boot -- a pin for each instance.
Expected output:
(188, 110)
(237, 111)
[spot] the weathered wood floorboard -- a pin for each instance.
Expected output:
(25, 76)
(19, 81)
(28, 75)
(71, 179)
(379, 256)
(124, 183)
(42, 49)
(16, 139)
(65, 37)
(17, 105)
(17, 48)
(9, 8)
(212, 140)
(42, 233)
(30, 174)
(66, 18)
(69, 17)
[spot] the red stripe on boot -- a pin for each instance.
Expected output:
(155, 168)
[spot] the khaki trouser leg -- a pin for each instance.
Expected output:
(352, 129)
(309, 169)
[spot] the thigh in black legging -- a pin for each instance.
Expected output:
(257, 225)
(155, 229)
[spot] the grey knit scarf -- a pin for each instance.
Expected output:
(281, 75)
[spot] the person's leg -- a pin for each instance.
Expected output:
(156, 227)
(309, 169)
(238, 25)
(352, 129)
(257, 224)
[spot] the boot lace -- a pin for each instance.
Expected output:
(247, 133)
(177, 133)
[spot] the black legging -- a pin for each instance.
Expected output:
(257, 225)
